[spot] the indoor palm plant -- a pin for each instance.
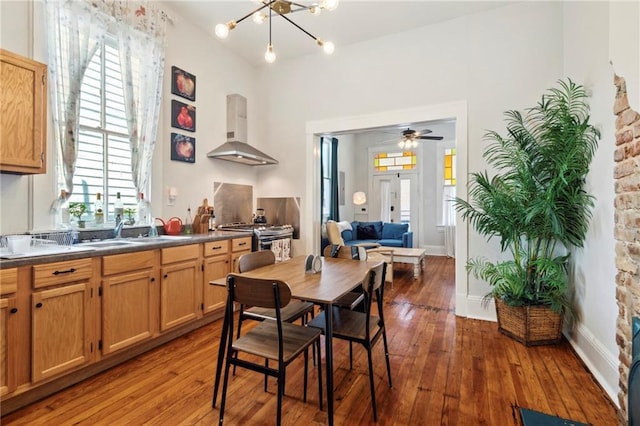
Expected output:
(537, 207)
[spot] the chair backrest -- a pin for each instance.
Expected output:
(345, 252)
(260, 292)
(256, 259)
(375, 278)
(333, 233)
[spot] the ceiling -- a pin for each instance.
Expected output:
(352, 22)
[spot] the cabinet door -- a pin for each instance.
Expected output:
(215, 296)
(127, 316)
(7, 309)
(23, 114)
(60, 330)
(180, 294)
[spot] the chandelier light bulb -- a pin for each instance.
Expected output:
(329, 4)
(259, 17)
(222, 30)
(315, 10)
(270, 55)
(328, 47)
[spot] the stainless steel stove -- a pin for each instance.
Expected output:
(276, 238)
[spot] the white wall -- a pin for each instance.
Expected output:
(488, 59)
(594, 34)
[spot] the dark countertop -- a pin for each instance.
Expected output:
(96, 250)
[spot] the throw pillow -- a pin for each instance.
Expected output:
(367, 232)
(394, 231)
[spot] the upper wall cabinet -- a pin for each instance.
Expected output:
(23, 114)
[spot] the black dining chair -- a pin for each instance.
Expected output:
(362, 327)
(275, 339)
(355, 298)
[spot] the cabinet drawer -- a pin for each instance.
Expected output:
(126, 262)
(8, 280)
(61, 272)
(239, 244)
(214, 248)
(180, 253)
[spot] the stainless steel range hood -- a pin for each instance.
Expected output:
(236, 148)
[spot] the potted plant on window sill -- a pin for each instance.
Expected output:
(537, 207)
(130, 214)
(78, 209)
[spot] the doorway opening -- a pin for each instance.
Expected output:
(456, 111)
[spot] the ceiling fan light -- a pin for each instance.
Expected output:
(270, 55)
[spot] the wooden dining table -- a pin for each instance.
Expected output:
(337, 278)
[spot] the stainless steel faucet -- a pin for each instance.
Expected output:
(117, 231)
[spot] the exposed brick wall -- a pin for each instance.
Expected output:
(627, 230)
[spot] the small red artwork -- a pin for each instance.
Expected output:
(183, 116)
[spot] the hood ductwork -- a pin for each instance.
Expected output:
(236, 148)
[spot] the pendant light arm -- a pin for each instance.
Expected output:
(300, 28)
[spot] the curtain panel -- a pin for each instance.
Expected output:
(75, 31)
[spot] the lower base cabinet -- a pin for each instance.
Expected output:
(129, 300)
(60, 330)
(180, 286)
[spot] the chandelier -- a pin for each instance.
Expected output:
(282, 8)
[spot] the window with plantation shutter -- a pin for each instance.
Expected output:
(104, 156)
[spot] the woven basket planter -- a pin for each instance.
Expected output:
(529, 325)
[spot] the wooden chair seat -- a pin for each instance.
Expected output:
(348, 325)
(294, 310)
(260, 340)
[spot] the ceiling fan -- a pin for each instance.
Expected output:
(410, 137)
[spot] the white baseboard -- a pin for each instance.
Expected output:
(599, 361)
(435, 250)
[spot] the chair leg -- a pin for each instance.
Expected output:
(319, 373)
(227, 367)
(373, 392)
(386, 354)
(266, 378)
(350, 356)
(238, 336)
(306, 371)
(281, 381)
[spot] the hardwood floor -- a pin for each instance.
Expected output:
(446, 371)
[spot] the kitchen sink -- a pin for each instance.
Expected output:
(109, 243)
(159, 239)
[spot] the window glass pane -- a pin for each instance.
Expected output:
(104, 155)
(449, 167)
(390, 161)
(405, 200)
(385, 201)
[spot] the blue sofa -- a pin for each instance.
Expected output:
(383, 233)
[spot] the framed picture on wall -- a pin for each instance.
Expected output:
(183, 83)
(183, 148)
(183, 116)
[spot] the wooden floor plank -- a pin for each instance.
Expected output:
(446, 370)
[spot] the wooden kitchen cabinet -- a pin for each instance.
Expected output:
(239, 246)
(181, 285)
(216, 265)
(23, 114)
(61, 317)
(130, 299)
(8, 287)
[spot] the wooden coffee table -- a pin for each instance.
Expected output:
(409, 255)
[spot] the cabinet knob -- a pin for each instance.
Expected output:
(153, 279)
(39, 305)
(166, 275)
(14, 310)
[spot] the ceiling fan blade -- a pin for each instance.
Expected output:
(431, 138)
(424, 132)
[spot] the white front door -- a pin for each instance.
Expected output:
(395, 199)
